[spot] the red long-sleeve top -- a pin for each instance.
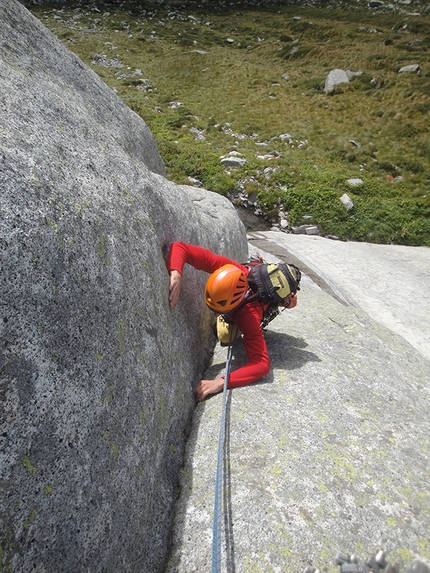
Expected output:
(247, 318)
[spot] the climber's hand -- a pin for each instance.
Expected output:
(207, 387)
(174, 287)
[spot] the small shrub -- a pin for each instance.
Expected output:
(387, 167)
(417, 26)
(268, 200)
(422, 108)
(294, 53)
(219, 183)
(301, 25)
(412, 166)
(313, 199)
(406, 130)
(409, 47)
(337, 154)
(176, 118)
(362, 81)
(314, 84)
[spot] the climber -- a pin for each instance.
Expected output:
(225, 293)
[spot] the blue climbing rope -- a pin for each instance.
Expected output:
(217, 524)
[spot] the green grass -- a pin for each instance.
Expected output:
(233, 97)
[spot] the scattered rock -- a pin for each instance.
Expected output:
(374, 564)
(287, 136)
(347, 201)
(306, 230)
(200, 134)
(271, 155)
(377, 83)
(417, 567)
(195, 182)
(355, 181)
(145, 85)
(376, 4)
(335, 78)
(232, 160)
(125, 76)
(412, 68)
(104, 61)
(352, 74)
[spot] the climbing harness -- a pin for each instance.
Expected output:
(217, 523)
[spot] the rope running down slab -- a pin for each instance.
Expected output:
(217, 523)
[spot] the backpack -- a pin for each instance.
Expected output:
(272, 283)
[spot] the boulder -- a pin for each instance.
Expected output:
(412, 68)
(347, 201)
(96, 370)
(351, 75)
(305, 230)
(355, 181)
(233, 161)
(334, 78)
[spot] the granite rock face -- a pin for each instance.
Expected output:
(328, 453)
(96, 371)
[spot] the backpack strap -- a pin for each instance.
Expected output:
(271, 312)
(254, 261)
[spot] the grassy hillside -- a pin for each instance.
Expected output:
(210, 79)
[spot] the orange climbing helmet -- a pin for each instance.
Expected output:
(226, 288)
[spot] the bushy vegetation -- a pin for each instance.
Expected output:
(215, 79)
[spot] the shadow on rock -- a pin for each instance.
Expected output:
(286, 353)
